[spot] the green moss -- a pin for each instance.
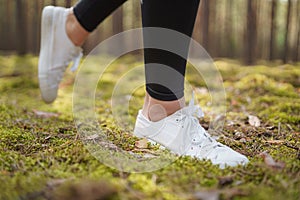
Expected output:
(35, 152)
(257, 84)
(231, 70)
(277, 109)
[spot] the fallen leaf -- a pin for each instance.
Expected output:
(233, 192)
(91, 137)
(275, 141)
(55, 182)
(271, 162)
(4, 172)
(270, 127)
(48, 137)
(142, 144)
(243, 140)
(207, 195)
(225, 180)
(67, 83)
(83, 190)
(239, 135)
(253, 120)
(43, 114)
(201, 90)
(234, 102)
(146, 151)
(218, 122)
(108, 145)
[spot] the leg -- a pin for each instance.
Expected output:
(63, 32)
(163, 119)
(177, 15)
(86, 16)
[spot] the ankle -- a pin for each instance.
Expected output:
(156, 110)
(76, 33)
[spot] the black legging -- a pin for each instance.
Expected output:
(178, 15)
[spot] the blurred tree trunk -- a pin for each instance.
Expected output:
(297, 48)
(297, 57)
(286, 39)
(7, 26)
(53, 2)
(197, 32)
(229, 37)
(117, 26)
(249, 57)
(136, 14)
(35, 22)
(205, 24)
(197, 27)
(68, 3)
(40, 9)
(261, 21)
(21, 29)
(29, 25)
(2, 27)
(221, 20)
(215, 27)
(136, 22)
(273, 30)
(117, 21)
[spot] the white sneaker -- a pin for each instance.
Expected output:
(182, 134)
(56, 53)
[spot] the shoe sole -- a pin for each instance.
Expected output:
(48, 94)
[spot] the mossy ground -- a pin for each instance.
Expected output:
(43, 158)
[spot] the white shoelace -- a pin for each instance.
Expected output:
(196, 133)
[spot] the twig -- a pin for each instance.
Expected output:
(290, 146)
(10, 75)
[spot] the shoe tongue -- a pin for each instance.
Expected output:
(192, 110)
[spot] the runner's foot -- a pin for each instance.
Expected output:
(56, 53)
(182, 134)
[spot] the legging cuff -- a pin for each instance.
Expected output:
(163, 96)
(90, 13)
(81, 22)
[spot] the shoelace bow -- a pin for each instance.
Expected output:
(198, 136)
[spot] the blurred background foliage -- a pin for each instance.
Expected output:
(250, 30)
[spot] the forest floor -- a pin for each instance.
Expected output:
(42, 155)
